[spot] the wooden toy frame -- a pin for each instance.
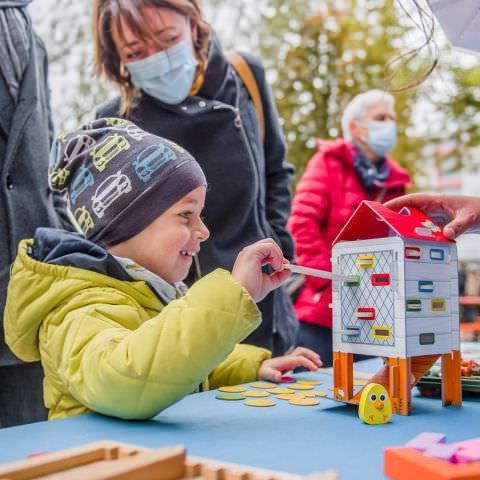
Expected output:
(119, 461)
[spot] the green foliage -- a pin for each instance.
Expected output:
(319, 54)
(320, 59)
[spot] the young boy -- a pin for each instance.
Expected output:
(102, 310)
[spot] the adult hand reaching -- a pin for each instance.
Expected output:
(459, 212)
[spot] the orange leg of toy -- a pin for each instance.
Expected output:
(451, 379)
(343, 375)
(400, 385)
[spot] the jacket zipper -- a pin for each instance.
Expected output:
(239, 124)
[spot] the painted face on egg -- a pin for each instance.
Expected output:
(375, 406)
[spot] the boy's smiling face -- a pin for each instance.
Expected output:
(167, 245)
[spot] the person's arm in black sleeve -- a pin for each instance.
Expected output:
(279, 172)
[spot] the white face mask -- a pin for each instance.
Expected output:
(382, 136)
(167, 75)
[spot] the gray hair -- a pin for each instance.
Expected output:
(359, 106)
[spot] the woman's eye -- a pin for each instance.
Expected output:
(134, 55)
(186, 215)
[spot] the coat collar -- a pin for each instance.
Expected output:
(343, 150)
(216, 72)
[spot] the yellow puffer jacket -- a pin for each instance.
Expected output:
(111, 346)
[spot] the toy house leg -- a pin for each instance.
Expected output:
(400, 385)
(451, 379)
(343, 375)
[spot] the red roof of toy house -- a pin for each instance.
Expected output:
(373, 220)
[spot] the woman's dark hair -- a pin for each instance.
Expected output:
(108, 14)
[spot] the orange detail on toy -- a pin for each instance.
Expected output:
(402, 463)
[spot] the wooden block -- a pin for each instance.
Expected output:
(119, 461)
(101, 461)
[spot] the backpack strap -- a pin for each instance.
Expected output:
(245, 73)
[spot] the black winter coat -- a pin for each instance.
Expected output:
(25, 200)
(248, 196)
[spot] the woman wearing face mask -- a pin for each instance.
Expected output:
(338, 177)
(175, 82)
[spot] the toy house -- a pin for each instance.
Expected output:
(402, 306)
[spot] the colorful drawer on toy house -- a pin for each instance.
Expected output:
(421, 307)
(366, 261)
(380, 279)
(427, 289)
(426, 253)
(437, 325)
(428, 343)
(379, 332)
(366, 313)
(430, 271)
(412, 252)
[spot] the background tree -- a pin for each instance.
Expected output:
(65, 27)
(318, 55)
(320, 58)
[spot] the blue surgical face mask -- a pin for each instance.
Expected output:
(382, 136)
(167, 75)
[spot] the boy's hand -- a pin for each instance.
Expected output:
(273, 368)
(248, 268)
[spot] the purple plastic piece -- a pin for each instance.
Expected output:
(426, 440)
(442, 451)
(468, 451)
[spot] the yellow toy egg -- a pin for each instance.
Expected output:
(375, 406)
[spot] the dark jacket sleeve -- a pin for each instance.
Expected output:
(58, 201)
(279, 172)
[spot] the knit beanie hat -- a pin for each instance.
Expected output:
(117, 178)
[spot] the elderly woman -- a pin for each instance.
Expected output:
(338, 177)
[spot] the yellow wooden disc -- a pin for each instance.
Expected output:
(290, 396)
(256, 393)
(233, 389)
(320, 394)
(360, 382)
(263, 385)
(260, 403)
(279, 390)
(330, 388)
(300, 386)
(310, 382)
(310, 394)
(304, 401)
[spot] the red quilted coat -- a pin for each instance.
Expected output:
(326, 196)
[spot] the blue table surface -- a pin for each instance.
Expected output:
(287, 438)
